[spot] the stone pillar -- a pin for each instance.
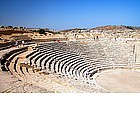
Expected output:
(137, 56)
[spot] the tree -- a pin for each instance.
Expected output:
(10, 26)
(2, 26)
(15, 27)
(42, 31)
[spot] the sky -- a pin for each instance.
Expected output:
(67, 14)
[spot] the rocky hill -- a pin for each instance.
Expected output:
(110, 27)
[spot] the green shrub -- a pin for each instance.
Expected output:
(42, 31)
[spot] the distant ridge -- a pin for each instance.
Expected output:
(74, 29)
(107, 27)
(114, 27)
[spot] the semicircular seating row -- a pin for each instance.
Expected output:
(63, 60)
(6, 45)
(11, 62)
(60, 59)
(9, 56)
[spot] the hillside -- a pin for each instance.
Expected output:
(110, 27)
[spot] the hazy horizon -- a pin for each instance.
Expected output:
(61, 14)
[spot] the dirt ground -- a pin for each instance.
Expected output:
(123, 81)
(50, 84)
(10, 84)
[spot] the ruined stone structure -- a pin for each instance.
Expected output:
(76, 61)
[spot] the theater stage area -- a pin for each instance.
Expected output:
(123, 81)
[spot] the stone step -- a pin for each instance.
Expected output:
(137, 66)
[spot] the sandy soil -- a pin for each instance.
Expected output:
(120, 81)
(39, 83)
(10, 84)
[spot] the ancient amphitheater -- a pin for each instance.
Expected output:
(95, 61)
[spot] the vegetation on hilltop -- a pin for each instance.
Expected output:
(41, 31)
